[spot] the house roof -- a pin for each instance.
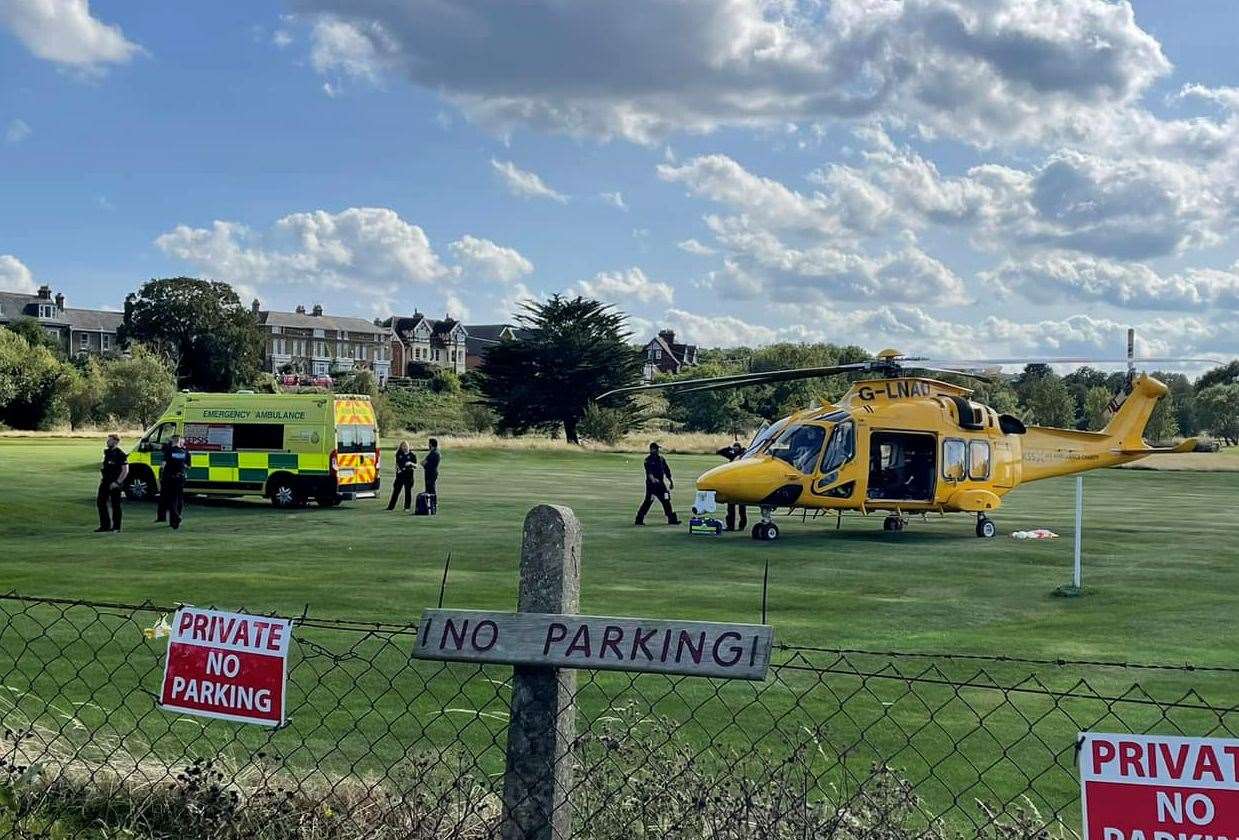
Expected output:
(403, 326)
(19, 305)
(676, 350)
(489, 332)
(319, 322)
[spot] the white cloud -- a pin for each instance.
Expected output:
(523, 183)
(692, 246)
(978, 69)
(14, 276)
(359, 50)
(1051, 278)
(16, 131)
(65, 32)
(368, 251)
(764, 201)
(281, 38)
(615, 199)
(625, 287)
(495, 262)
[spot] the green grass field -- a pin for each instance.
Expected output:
(1161, 572)
(1161, 552)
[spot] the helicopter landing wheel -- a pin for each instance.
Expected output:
(986, 529)
(765, 531)
(893, 523)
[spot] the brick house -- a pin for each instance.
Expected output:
(78, 331)
(417, 339)
(316, 344)
(664, 355)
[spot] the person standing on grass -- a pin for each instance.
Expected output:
(112, 474)
(406, 467)
(731, 453)
(658, 485)
(430, 466)
(172, 483)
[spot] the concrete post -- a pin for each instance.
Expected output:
(542, 728)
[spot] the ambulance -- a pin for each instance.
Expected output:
(289, 448)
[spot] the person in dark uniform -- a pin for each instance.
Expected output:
(731, 453)
(406, 470)
(113, 472)
(658, 485)
(172, 481)
(431, 467)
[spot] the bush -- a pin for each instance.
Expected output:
(357, 382)
(138, 387)
(32, 383)
(422, 410)
(266, 383)
(445, 382)
(84, 394)
(605, 425)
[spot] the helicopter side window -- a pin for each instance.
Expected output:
(841, 448)
(978, 460)
(800, 446)
(954, 459)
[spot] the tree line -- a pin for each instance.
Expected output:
(186, 333)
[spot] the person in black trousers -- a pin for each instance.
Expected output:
(658, 485)
(172, 482)
(731, 453)
(406, 470)
(112, 474)
(431, 467)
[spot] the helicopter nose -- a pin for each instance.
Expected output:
(748, 481)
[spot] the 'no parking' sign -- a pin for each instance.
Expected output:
(227, 665)
(1155, 787)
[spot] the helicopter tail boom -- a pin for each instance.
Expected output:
(1050, 452)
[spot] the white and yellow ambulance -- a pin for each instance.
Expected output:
(290, 448)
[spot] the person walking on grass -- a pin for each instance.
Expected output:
(406, 471)
(112, 474)
(731, 453)
(172, 482)
(658, 485)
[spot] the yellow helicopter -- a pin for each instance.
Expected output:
(908, 444)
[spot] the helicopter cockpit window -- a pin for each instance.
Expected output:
(764, 435)
(800, 446)
(841, 448)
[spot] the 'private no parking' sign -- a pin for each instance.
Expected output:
(1154, 787)
(227, 665)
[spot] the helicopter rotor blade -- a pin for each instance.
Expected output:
(739, 380)
(972, 364)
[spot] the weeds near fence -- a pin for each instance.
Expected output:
(846, 744)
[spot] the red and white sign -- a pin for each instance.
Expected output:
(1159, 787)
(227, 665)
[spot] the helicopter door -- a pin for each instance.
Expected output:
(902, 466)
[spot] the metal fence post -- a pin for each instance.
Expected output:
(542, 726)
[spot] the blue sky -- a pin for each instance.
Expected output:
(950, 177)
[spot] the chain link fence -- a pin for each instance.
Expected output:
(834, 744)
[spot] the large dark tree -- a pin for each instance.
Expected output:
(567, 352)
(211, 339)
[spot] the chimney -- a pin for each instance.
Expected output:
(60, 301)
(45, 293)
(254, 307)
(667, 336)
(317, 311)
(300, 310)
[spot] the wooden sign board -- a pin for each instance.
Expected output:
(692, 648)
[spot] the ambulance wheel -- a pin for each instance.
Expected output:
(986, 528)
(139, 487)
(284, 494)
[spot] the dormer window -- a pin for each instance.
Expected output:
(46, 310)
